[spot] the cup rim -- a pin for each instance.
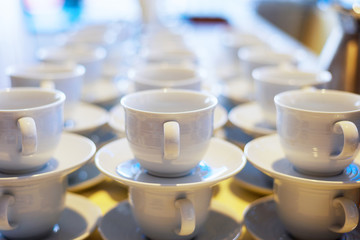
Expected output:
(33, 71)
(278, 97)
(59, 98)
(212, 99)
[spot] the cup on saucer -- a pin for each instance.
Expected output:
(154, 76)
(270, 81)
(318, 129)
(65, 77)
(31, 123)
(91, 57)
(169, 129)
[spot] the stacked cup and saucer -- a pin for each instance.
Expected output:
(35, 158)
(315, 164)
(170, 162)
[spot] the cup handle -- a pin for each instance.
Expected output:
(171, 140)
(6, 200)
(47, 84)
(28, 135)
(187, 217)
(351, 213)
(351, 139)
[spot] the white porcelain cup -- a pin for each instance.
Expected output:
(270, 81)
(65, 77)
(154, 76)
(314, 211)
(171, 214)
(169, 129)
(31, 123)
(30, 209)
(318, 129)
(91, 57)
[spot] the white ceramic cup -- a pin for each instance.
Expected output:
(314, 211)
(168, 129)
(171, 214)
(270, 81)
(91, 57)
(65, 77)
(154, 76)
(318, 129)
(31, 123)
(30, 209)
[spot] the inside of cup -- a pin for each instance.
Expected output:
(165, 74)
(16, 99)
(319, 100)
(168, 101)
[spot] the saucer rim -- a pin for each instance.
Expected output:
(301, 178)
(14, 179)
(101, 81)
(215, 206)
(81, 105)
(251, 130)
(100, 177)
(192, 185)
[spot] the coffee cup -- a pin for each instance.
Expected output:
(91, 57)
(65, 77)
(318, 129)
(154, 76)
(270, 81)
(171, 214)
(315, 211)
(31, 123)
(169, 129)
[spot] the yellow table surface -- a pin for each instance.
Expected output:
(228, 193)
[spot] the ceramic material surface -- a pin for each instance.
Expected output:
(169, 129)
(238, 90)
(270, 81)
(154, 76)
(117, 161)
(219, 225)
(252, 179)
(267, 155)
(77, 221)
(248, 117)
(85, 118)
(31, 123)
(262, 222)
(117, 118)
(85, 177)
(318, 129)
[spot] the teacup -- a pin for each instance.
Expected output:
(65, 77)
(270, 81)
(91, 57)
(318, 129)
(171, 214)
(315, 211)
(169, 129)
(30, 209)
(31, 123)
(154, 76)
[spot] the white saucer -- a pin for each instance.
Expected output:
(86, 118)
(262, 222)
(248, 117)
(238, 90)
(102, 92)
(116, 160)
(72, 152)
(85, 177)
(266, 154)
(251, 179)
(120, 222)
(117, 118)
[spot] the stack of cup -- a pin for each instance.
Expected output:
(314, 162)
(168, 133)
(33, 164)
